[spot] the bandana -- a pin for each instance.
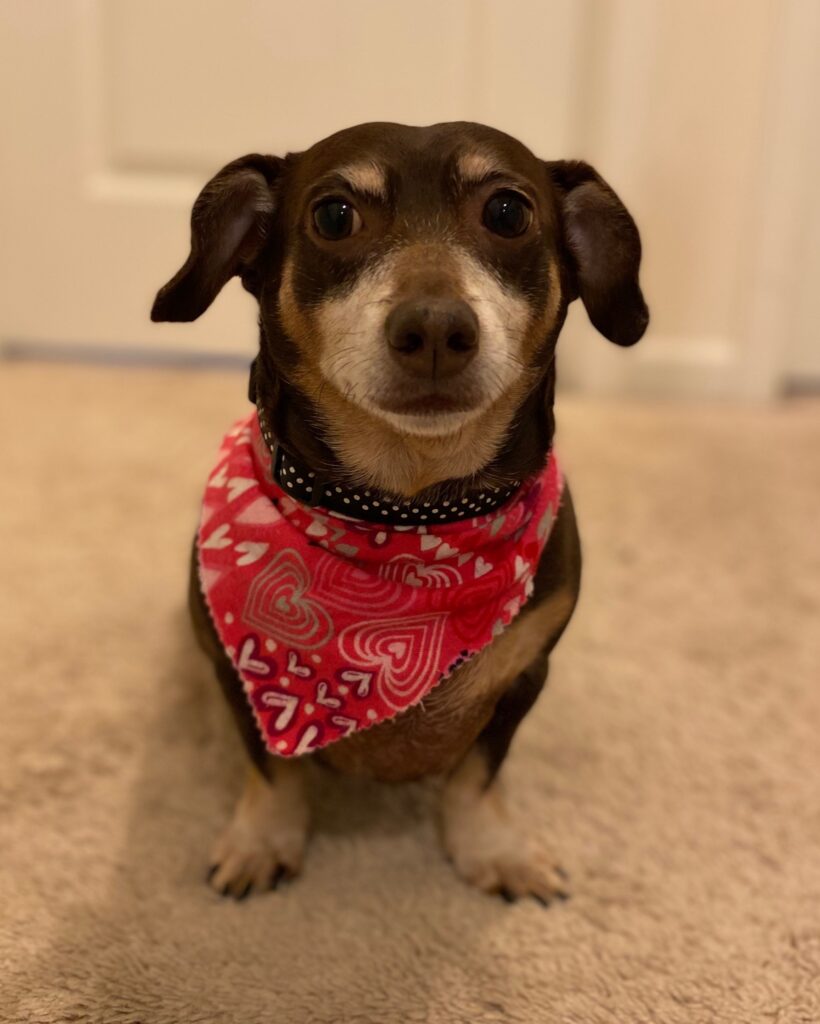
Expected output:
(334, 624)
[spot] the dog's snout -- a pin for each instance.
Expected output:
(434, 338)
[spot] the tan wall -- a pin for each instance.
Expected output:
(113, 113)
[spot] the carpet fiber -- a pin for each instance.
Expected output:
(673, 762)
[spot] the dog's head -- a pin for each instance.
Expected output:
(412, 283)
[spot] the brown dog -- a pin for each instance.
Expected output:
(412, 283)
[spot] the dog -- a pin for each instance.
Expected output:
(412, 283)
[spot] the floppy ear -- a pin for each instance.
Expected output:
(604, 249)
(229, 224)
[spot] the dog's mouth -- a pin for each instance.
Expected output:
(430, 407)
(430, 403)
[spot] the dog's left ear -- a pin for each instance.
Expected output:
(604, 249)
(229, 225)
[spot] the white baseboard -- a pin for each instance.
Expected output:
(658, 367)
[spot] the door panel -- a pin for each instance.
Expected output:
(262, 75)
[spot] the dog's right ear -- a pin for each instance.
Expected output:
(604, 250)
(229, 224)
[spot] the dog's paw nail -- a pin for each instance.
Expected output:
(225, 890)
(243, 895)
(211, 872)
(279, 873)
(562, 896)
(541, 899)
(561, 873)
(507, 895)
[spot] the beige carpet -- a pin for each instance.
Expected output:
(674, 760)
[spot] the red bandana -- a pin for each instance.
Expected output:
(335, 624)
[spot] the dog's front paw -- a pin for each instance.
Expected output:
(512, 873)
(489, 851)
(246, 859)
(265, 841)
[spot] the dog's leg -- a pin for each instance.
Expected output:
(485, 845)
(265, 839)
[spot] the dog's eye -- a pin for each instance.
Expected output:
(336, 219)
(507, 214)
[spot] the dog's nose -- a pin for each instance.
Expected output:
(433, 338)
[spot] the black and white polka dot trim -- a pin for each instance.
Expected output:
(304, 485)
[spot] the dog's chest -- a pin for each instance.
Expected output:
(432, 737)
(428, 738)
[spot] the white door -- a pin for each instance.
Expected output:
(113, 113)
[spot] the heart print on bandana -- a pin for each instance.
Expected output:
(278, 605)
